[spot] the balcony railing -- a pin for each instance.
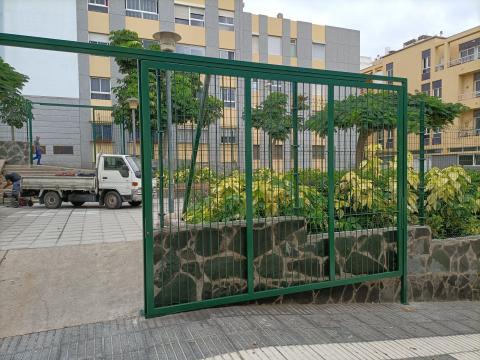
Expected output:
(463, 60)
(439, 67)
(469, 95)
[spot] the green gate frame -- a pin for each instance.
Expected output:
(149, 59)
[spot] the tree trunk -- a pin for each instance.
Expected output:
(360, 148)
(12, 129)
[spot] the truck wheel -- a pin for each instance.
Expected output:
(77, 203)
(112, 200)
(134, 203)
(52, 200)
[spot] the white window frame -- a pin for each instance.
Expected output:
(426, 64)
(437, 92)
(274, 40)
(293, 45)
(229, 96)
(476, 121)
(255, 44)
(190, 48)
(109, 92)
(91, 41)
(142, 13)
(196, 21)
(465, 155)
(476, 84)
(274, 85)
(94, 4)
(225, 54)
(228, 26)
(322, 46)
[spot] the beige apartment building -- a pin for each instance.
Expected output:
(447, 67)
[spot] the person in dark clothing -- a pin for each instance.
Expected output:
(38, 150)
(15, 180)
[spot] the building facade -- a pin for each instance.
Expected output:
(214, 28)
(449, 68)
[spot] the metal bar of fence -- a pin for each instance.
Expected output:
(94, 134)
(421, 159)
(30, 135)
(295, 145)
(159, 148)
(331, 180)
(249, 182)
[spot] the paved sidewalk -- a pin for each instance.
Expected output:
(36, 227)
(448, 330)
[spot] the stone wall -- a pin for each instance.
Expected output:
(14, 152)
(196, 262)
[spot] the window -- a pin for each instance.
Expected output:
(228, 137)
(389, 68)
(274, 45)
(318, 152)
(62, 150)
(277, 153)
(146, 9)
(225, 20)
(476, 85)
(228, 97)
(254, 84)
(389, 139)
(437, 137)
(102, 132)
(293, 47)
(190, 50)
(426, 136)
(256, 152)
(465, 160)
(95, 38)
(226, 54)
(437, 88)
(98, 5)
(113, 163)
(467, 55)
(318, 51)
(476, 120)
(100, 88)
(380, 137)
(146, 43)
(274, 85)
(426, 64)
(426, 88)
(188, 15)
(255, 44)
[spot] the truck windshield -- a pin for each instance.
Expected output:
(135, 165)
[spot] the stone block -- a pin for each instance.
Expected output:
(181, 289)
(271, 266)
(225, 267)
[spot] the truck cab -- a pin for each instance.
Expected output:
(119, 174)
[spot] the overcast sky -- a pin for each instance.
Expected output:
(382, 23)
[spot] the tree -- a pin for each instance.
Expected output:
(273, 117)
(14, 108)
(377, 111)
(185, 89)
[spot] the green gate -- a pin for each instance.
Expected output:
(263, 175)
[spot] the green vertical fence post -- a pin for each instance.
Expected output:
(196, 143)
(331, 180)
(249, 182)
(421, 166)
(296, 181)
(402, 191)
(160, 149)
(147, 194)
(94, 138)
(30, 135)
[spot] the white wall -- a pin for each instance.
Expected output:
(51, 73)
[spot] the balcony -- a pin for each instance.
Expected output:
(463, 60)
(469, 95)
(439, 67)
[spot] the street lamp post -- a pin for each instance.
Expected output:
(167, 41)
(133, 105)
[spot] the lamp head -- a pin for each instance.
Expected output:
(167, 40)
(132, 103)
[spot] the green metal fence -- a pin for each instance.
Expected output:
(242, 200)
(262, 192)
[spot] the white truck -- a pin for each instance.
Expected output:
(117, 179)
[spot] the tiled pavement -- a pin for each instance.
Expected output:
(39, 227)
(355, 331)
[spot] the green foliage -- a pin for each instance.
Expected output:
(14, 108)
(272, 116)
(451, 209)
(185, 89)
